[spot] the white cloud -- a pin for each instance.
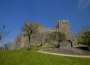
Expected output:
(83, 4)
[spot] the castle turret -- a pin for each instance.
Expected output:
(64, 27)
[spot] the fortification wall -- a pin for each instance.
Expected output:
(62, 25)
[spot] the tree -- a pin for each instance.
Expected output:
(84, 38)
(57, 36)
(28, 30)
(2, 33)
(84, 29)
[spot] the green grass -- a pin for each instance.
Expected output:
(31, 57)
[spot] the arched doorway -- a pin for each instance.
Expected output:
(71, 44)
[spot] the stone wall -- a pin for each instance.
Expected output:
(21, 42)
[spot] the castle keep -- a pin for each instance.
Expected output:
(62, 26)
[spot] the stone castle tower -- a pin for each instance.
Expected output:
(64, 27)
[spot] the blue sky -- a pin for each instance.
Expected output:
(13, 14)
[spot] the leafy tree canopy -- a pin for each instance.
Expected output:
(84, 38)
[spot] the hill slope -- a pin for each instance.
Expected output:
(27, 57)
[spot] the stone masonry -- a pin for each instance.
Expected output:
(62, 25)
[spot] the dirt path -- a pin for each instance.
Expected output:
(81, 56)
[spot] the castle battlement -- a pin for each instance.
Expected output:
(63, 20)
(62, 25)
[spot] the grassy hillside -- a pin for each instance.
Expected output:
(27, 57)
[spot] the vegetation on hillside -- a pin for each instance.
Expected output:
(58, 36)
(85, 38)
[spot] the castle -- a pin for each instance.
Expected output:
(62, 26)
